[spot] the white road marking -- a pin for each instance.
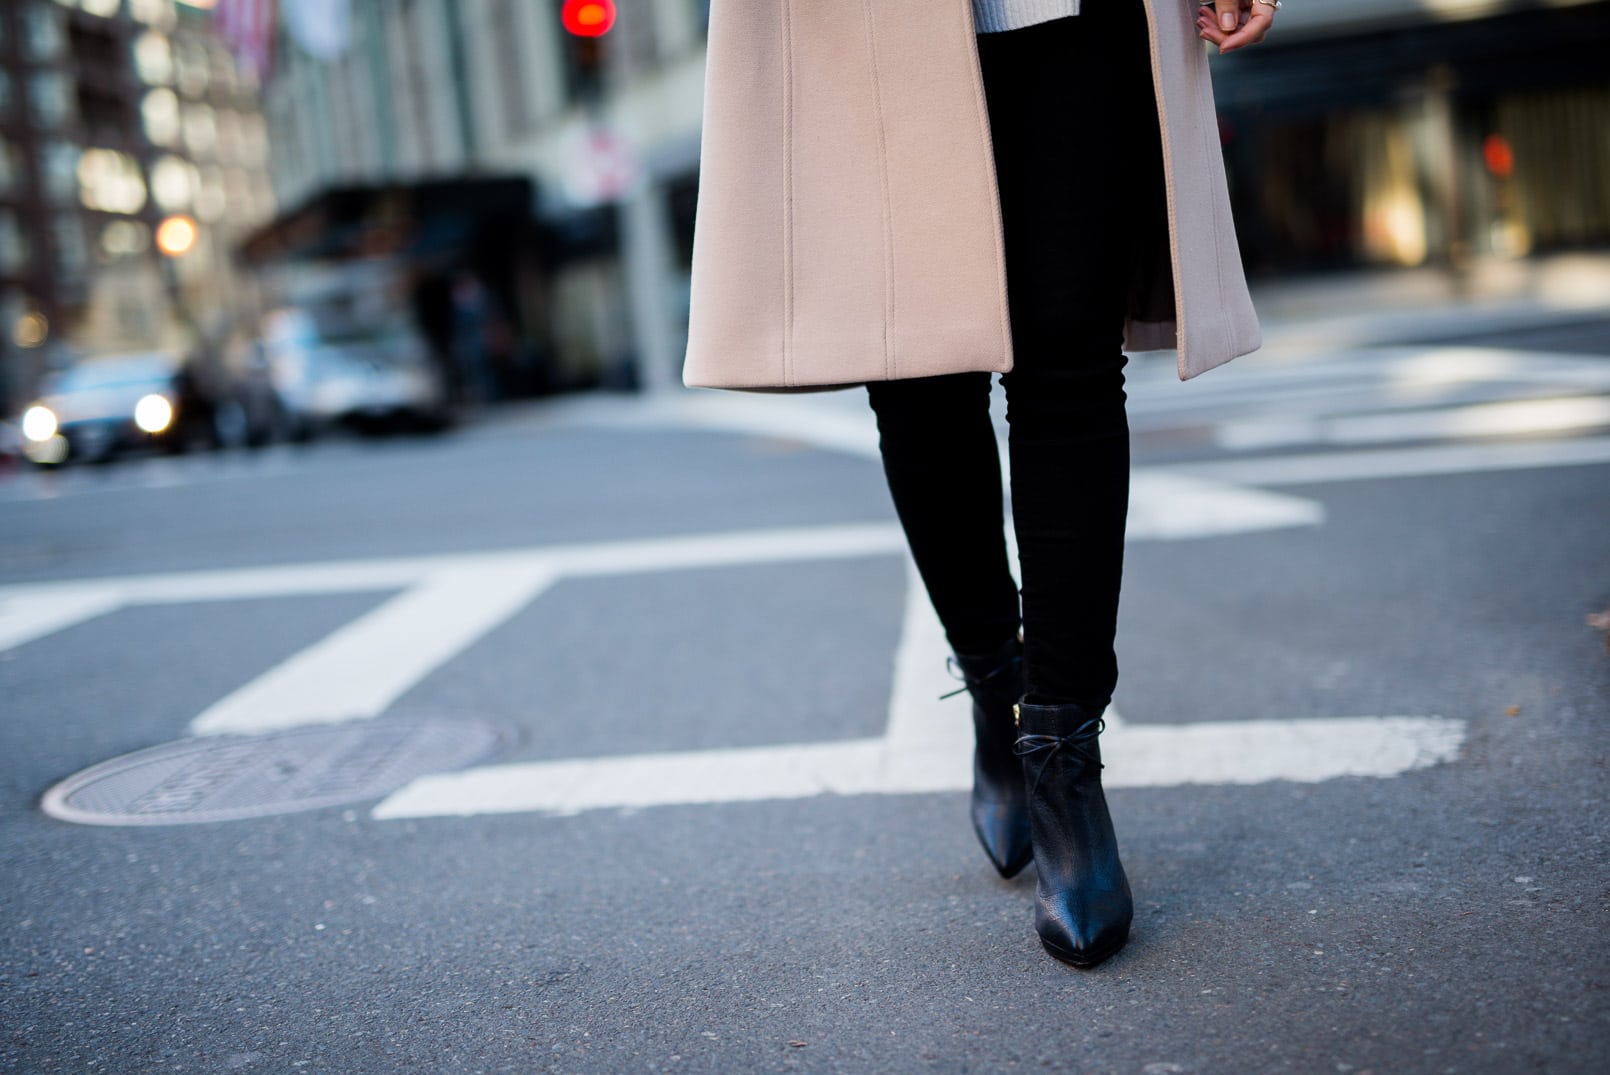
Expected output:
(1168, 506)
(364, 667)
(1430, 461)
(1137, 756)
(1163, 507)
(1520, 416)
(32, 610)
(928, 748)
(25, 617)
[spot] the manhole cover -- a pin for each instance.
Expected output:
(225, 778)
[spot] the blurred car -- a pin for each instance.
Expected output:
(329, 368)
(10, 444)
(101, 407)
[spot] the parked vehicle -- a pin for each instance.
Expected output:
(102, 407)
(328, 367)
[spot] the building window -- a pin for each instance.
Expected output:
(110, 181)
(190, 68)
(158, 13)
(173, 184)
(159, 112)
(13, 244)
(211, 199)
(42, 37)
(50, 99)
(59, 165)
(511, 67)
(200, 130)
(67, 235)
(10, 167)
(120, 238)
(636, 36)
(153, 59)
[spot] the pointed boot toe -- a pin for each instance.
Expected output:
(1083, 908)
(1084, 931)
(1001, 821)
(999, 805)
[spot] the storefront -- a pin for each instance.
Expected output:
(1430, 143)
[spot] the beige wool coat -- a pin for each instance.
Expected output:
(848, 225)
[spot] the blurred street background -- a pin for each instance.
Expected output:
(511, 708)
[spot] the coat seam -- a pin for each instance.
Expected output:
(981, 109)
(890, 366)
(788, 194)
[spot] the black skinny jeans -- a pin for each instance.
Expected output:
(1073, 123)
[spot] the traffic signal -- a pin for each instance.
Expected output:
(588, 18)
(586, 22)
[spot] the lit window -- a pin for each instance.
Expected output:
(254, 139)
(157, 13)
(229, 135)
(200, 130)
(211, 199)
(110, 181)
(159, 111)
(173, 184)
(103, 8)
(153, 59)
(190, 69)
(121, 238)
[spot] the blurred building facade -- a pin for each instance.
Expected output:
(1372, 133)
(413, 94)
(1408, 132)
(116, 115)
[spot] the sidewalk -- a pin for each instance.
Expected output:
(1333, 311)
(1304, 318)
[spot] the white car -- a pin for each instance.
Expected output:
(326, 370)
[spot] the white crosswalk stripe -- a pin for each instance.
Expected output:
(1377, 396)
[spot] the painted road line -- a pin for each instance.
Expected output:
(1163, 507)
(927, 747)
(361, 669)
(1137, 756)
(1431, 461)
(26, 617)
(31, 610)
(1510, 418)
(1168, 506)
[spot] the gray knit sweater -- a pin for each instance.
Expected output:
(992, 15)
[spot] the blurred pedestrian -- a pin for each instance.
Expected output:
(1086, 203)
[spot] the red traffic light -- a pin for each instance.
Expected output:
(588, 18)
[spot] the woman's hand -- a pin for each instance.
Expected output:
(1232, 24)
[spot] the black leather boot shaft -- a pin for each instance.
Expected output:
(999, 807)
(1083, 907)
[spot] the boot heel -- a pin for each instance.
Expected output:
(999, 806)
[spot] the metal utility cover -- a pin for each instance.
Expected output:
(227, 778)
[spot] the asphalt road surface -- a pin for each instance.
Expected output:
(1358, 768)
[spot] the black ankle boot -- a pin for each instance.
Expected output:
(1084, 908)
(999, 804)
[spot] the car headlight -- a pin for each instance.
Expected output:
(153, 413)
(39, 423)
